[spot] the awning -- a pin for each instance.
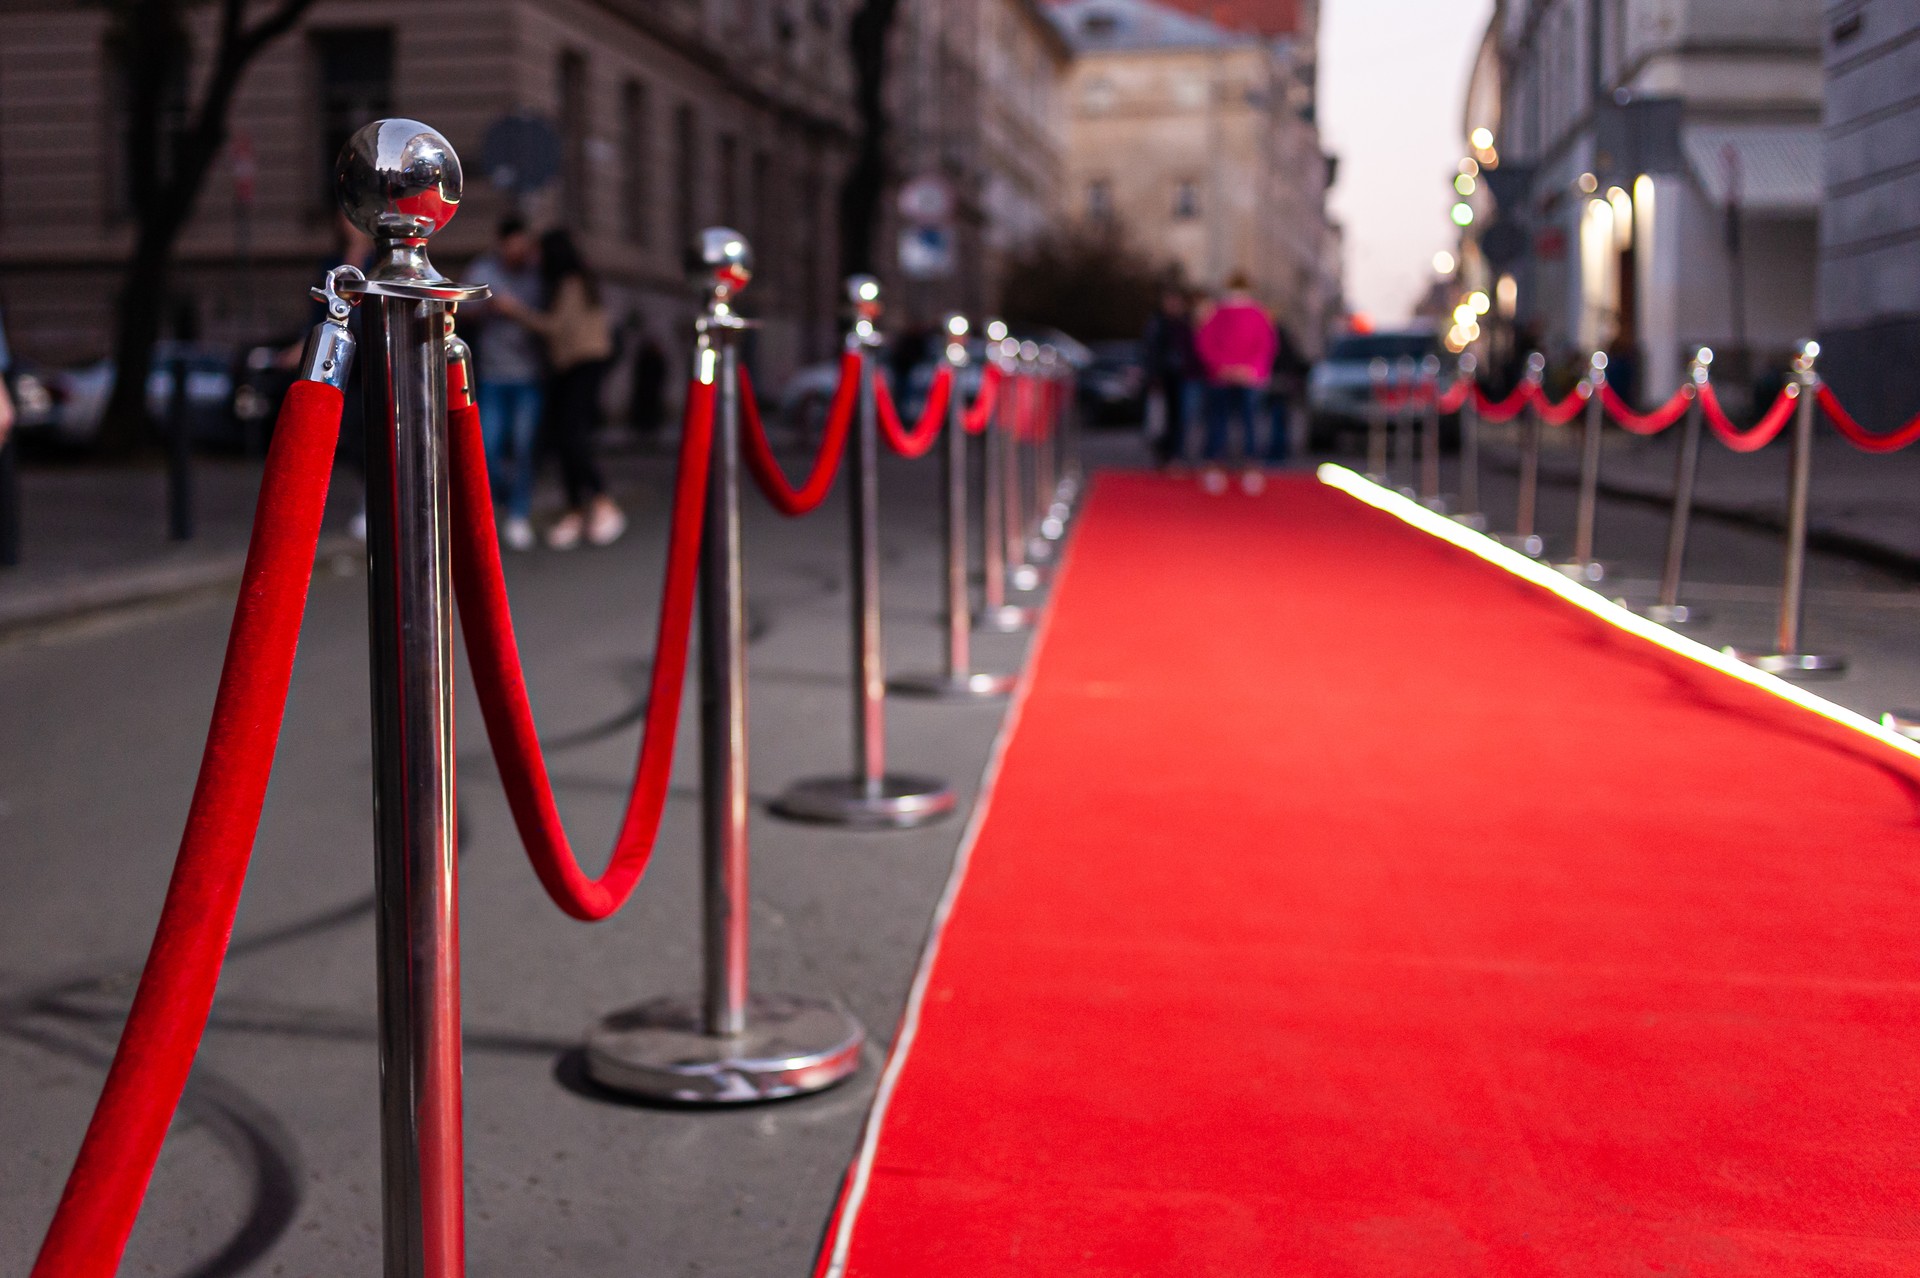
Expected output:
(1765, 168)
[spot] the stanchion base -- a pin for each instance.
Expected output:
(1791, 665)
(792, 1046)
(1472, 519)
(1024, 577)
(1590, 571)
(1904, 722)
(897, 803)
(1672, 614)
(940, 687)
(1039, 550)
(1007, 619)
(1532, 545)
(1053, 527)
(1438, 505)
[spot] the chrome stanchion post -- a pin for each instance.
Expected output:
(729, 1046)
(870, 798)
(1403, 466)
(1023, 574)
(958, 682)
(1470, 513)
(1686, 469)
(1583, 566)
(996, 613)
(1523, 538)
(1377, 371)
(1040, 459)
(1053, 511)
(1786, 656)
(399, 181)
(1430, 441)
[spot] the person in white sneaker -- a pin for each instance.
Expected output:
(579, 339)
(506, 357)
(1236, 346)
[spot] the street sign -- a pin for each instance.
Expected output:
(926, 252)
(520, 153)
(926, 200)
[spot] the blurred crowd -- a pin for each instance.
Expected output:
(1221, 361)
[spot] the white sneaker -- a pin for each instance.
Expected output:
(517, 533)
(565, 533)
(1214, 481)
(1253, 483)
(606, 524)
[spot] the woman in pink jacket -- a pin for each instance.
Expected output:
(1236, 347)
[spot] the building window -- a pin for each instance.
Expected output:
(686, 175)
(1100, 200)
(636, 146)
(1186, 199)
(576, 191)
(353, 69)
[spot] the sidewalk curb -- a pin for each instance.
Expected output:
(98, 594)
(1833, 541)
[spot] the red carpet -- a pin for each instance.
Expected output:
(1346, 906)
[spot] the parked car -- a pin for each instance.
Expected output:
(1113, 386)
(1340, 387)
(78, 397)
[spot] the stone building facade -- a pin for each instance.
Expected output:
(1869, 308)
(1197, 144)
(672, 114)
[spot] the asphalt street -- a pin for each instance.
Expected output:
(273, 1165)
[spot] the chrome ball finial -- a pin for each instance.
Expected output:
(720, 263)
(398, 180)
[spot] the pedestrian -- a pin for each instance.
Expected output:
(510, 372)
(579, 341)
(9, 469)
(1286, 387)
(648, 403)
(1167, 352)
(1236, 346)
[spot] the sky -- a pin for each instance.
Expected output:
(1393, 80)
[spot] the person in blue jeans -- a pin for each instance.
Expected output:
(1236, 347)
(511, 373)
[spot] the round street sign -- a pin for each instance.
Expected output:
(926, 200)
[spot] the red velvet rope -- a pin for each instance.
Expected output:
(1646, 423)
(487, 622)
(1566, 410)
(765, 467)
(1762, 432)
(1859, 436)
(1456, 396)
(975, 419)
(109, 1179)
(918, 441)
(1504, 410)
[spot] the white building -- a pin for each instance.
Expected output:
(1665, 157)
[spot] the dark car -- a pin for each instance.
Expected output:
(1340, 387)
(1113, 386)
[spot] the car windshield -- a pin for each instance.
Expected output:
(1382, 346)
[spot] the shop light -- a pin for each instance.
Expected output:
(1482, 139)
(1588, 184)
(1463, 184)
(1480, 303)
(1470, 167)
(1443, 263)
(1463, 214)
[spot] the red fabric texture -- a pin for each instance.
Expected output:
(980, 412)
(109, 1179)
(1646, 423)
(933, 415)
(1761, 433)
(1566, 410)
(1504, 410)
(1859, 436)
(758, 453)
(486, 619)
(1455, 397)
(1346, 906)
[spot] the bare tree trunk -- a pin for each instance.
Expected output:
(866, 180)
(155, 53)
